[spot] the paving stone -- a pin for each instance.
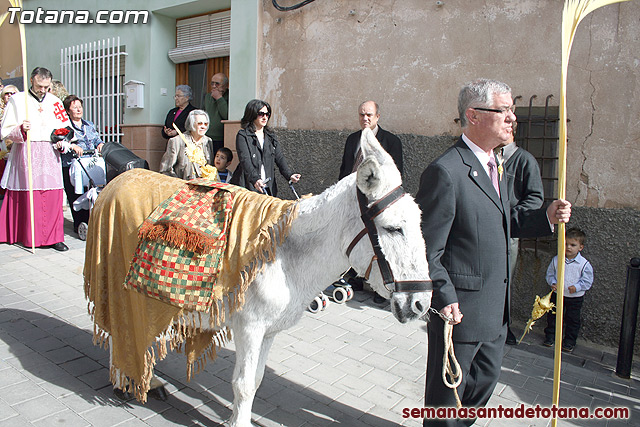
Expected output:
(323, 392)
(380, 362)
(6, 411)
(512, 378)
(39, 407)
(81, 366)
(326, 375)
(280, 417)
(381, 397)
(10, 378)
(66, 418)
(105, 416)
(353, 385)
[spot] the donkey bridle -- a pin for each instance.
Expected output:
(367, 215)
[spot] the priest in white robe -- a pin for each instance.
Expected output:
(46, 114)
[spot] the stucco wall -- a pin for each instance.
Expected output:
(319, 62)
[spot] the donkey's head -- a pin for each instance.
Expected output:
(393, 256)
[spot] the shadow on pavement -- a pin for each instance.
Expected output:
(62, 358)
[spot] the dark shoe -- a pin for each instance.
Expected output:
(511, 341)
(60, 247)
(378, 299)
(548, 342)
(568, 348)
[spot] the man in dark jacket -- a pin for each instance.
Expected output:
(466, 224)
(369, 114)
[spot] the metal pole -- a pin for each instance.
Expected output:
(629, 318)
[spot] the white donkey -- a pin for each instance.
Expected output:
(324, 241)
(315, 253)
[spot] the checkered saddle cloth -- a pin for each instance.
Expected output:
(181, 245)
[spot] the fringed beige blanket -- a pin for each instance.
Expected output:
(133, 321)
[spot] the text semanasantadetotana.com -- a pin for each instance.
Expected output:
(42, 16)
(517, 412)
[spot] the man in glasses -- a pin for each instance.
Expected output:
(216, 104)
(466, 224)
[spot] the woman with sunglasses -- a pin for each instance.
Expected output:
(259, 152)
(175, 161)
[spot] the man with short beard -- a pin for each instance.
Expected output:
(46, 114)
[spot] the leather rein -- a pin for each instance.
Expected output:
(367, 215)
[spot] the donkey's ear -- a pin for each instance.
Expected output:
(372, 148)
(369, 176)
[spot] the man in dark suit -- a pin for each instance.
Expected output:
(466, 224)
(524, 185)
(369, 114)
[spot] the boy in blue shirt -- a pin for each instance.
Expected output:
(578, 278)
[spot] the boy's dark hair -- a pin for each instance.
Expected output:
(226, 152)
(576, 233)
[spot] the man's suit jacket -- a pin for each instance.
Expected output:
(466, 227)
(389, 142)
(251, 157)
(523, 178)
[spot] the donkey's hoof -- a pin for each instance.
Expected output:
(158, 393)
(121, 394)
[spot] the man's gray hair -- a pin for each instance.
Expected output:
(190, 123)
(186, 91)
(479, 93)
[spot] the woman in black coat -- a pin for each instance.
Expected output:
(178, 115)
(259, 152)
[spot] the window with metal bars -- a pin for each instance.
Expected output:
(537, 132)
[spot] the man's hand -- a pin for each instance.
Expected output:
(99, 147)
(559, 211)
(572, 289)
(26, 125)
(216, 92)
(452, 311)
(295, 177)
(77, 149)
(554, 287)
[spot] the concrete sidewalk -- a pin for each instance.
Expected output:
(352, 364)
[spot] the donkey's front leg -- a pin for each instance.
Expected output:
(248, 340)
(262, 361)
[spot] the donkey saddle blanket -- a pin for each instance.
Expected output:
(162, 252)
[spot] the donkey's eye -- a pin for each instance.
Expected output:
(394, 230)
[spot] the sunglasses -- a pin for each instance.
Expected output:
(264, 114)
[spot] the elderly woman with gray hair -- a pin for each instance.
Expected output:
(175, 161)
(178, 115)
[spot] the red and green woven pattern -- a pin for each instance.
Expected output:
(182, 242)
